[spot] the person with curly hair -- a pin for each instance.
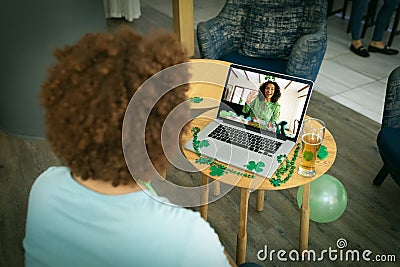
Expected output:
(91, 212)
(265, 106)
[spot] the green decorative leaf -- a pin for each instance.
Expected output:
(204, 143)
(322, 152)
(217, 170)
(258, 167)
(269, 78)
(307, 155)
(196, 99)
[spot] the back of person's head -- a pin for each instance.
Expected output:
(87, 92)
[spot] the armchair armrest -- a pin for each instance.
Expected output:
(307, 54)
(391, 112)
(215, 38)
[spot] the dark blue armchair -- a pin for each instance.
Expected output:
(389, 136)
(286, 36)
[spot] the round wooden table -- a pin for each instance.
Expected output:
(244, 183)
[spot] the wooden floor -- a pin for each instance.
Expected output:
(371, 221)
(21, 161)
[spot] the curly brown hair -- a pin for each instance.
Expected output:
(88, 91)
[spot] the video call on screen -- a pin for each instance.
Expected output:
(243, 84)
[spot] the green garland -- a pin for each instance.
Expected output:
(289, 166)
(217, 169)
(196, 143)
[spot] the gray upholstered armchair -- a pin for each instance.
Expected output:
(389, 136)
(286, 36)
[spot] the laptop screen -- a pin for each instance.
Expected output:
(265, 101)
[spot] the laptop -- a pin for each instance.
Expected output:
(249, 131)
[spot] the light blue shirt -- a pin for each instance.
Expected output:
(70, 225)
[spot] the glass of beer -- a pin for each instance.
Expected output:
(311, 139)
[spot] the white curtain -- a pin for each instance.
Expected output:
(129, 9)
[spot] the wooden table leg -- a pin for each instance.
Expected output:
(242, 234)
(260, 200)
(204, 196)
(183, 23)
(305, 218)
(216, 188)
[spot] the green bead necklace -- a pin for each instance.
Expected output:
(196, 143)
(220, 169)
(289, 166)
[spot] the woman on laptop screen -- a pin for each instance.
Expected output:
(264, 108)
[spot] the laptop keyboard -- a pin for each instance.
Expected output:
(245, 139)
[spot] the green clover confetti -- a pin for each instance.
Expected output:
(252, 165)
(217, 170)
(196, 99)
(322, 152)
(204, 143)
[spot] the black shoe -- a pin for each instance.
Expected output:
(386, 50)
(361, 51)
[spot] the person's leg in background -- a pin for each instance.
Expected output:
(358, 9)
(382, 21)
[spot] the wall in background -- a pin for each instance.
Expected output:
(30, 31)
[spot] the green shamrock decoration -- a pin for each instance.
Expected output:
(196, 99)
(204, 143)
(217, 170)
(307, 155)
(258, 167)
(269, 78)
(322, 152)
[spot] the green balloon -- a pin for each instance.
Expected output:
(328, 199)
